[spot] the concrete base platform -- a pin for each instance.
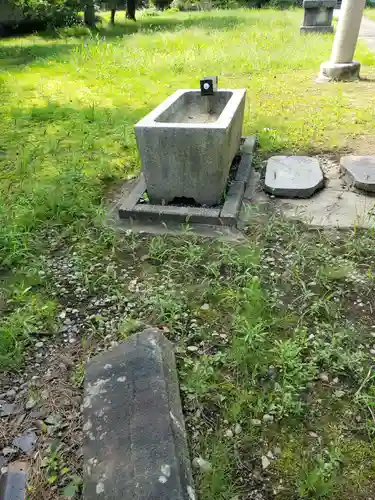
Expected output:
(223, 219)
(335, 207)
(339, 72)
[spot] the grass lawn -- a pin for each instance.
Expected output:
(275, 368)
(370, 13)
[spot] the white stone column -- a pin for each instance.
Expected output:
(341, 65)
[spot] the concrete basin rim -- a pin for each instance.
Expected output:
(222, 122)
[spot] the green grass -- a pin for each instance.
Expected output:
(282, 308)
(277, 361)
(370, 13)
(68, 104)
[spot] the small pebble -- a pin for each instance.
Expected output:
(30, 403)
(45, 394)
(66, 361)
(265, 462)
(237, 429)
(205, 307)
(256, 421)
(267, 418)
(339, 394)
(202, 464)
(38, 345)
(40, 425)
(8, 451)
(192, 348)
(26, 442)
(228, 433)
(323, 377)
(11, 394)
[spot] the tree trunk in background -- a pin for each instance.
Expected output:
(130, 9)
(89, 14)
(113, 13)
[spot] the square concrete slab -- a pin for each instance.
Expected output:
(331, 208)
(293, 176)
(335, 207)
(360, 171)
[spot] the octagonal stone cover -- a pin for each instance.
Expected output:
(293, 176)
(360, 170)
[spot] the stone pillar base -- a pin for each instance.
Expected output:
(345, 72)
(316, 29)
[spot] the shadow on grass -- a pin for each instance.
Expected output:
(92, 116)
(18, 55)
(174, 23)
(153, 25)
(81, 165)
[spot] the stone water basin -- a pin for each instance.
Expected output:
(187, 145)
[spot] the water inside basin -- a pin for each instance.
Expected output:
(192, 107)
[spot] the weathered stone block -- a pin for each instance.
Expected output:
(318, 16)
(187, 145)
(13, 483)
(135, 440)
(293, 176)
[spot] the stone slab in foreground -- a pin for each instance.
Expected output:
(13, 483)
(293, 176)
(361, 171)
(135, 441)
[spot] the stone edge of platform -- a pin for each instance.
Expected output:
(225, 216)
